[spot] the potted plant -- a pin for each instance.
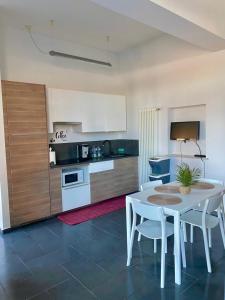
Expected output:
(187, 177)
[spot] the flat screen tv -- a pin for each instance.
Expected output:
(185, 130)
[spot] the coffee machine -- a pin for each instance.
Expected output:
(84, 151)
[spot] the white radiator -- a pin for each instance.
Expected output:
(148, 140)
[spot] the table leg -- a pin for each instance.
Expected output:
(128, 223)
(177, 259)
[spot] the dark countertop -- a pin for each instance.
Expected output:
(73, 162)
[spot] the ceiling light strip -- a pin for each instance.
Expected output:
(89, 60)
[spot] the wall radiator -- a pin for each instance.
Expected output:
(148, 140)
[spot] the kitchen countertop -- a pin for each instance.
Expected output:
(70, 163)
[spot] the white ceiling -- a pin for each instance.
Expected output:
(166, 18)
(206, 13)
(80, 21)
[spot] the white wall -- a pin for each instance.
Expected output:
(191, 81)
(21, 61)
(183, 114)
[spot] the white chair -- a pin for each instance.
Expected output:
(150, 184)
(212, 181)
(154, 228)
(204, 220)
(145, 186)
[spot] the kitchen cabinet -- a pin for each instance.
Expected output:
(126, 180)
(104, 113)
(115, 114)
(55, 191)
(102, 186)
(120, 180)
(101, 166)
(93, 111)
(26, 137)
(62, 107)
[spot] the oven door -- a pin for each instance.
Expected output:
(72, 178)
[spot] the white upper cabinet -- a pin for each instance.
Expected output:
(116, 113)
(95, 112)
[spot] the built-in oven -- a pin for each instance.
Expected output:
(72, 177)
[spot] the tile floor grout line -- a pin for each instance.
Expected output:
(28, 269)
(190, 286)
(107, 232)
(46, 290)
(78, 280)
(55, 234)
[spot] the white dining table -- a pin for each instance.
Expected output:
(187, 202)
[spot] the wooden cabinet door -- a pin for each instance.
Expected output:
(126, 170)
(102, 186)
(55, 191)
(123, 179)
(26, 138)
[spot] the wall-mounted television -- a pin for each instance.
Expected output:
(185, 130)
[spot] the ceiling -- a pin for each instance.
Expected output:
(79, 21)
(206, 13)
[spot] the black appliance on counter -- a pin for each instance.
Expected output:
(82, 151)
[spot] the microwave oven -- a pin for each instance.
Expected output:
(72, 177)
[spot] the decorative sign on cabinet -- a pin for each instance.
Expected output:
(96, 112)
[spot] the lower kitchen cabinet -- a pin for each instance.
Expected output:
(123, 179)
(102, 186)
(55, 191)
(126, 175)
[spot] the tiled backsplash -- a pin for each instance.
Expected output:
(68, 151)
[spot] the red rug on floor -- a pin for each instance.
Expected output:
(91, 212)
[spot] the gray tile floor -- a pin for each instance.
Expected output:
(51, 260)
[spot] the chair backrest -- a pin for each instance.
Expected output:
(213, 203)
(147, 211)
(213, 181)
(149, 184)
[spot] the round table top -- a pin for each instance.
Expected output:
(168, 189)
(162, 199)
(203, 186)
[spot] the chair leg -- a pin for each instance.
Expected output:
(191, 233)
(223, 211)
(207, 250)
(184, 232)
(210, 238)
(162, 284)
(131, 245)
(183, 254)
(139, 235)
(221, 228)
(155, 245)
(174, 248)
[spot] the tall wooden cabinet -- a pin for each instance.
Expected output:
(55, 190)
(26, 137)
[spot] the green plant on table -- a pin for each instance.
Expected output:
(187, 176)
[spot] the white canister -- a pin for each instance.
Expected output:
(52, 156)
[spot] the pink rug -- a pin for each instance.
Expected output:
(91, 212)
